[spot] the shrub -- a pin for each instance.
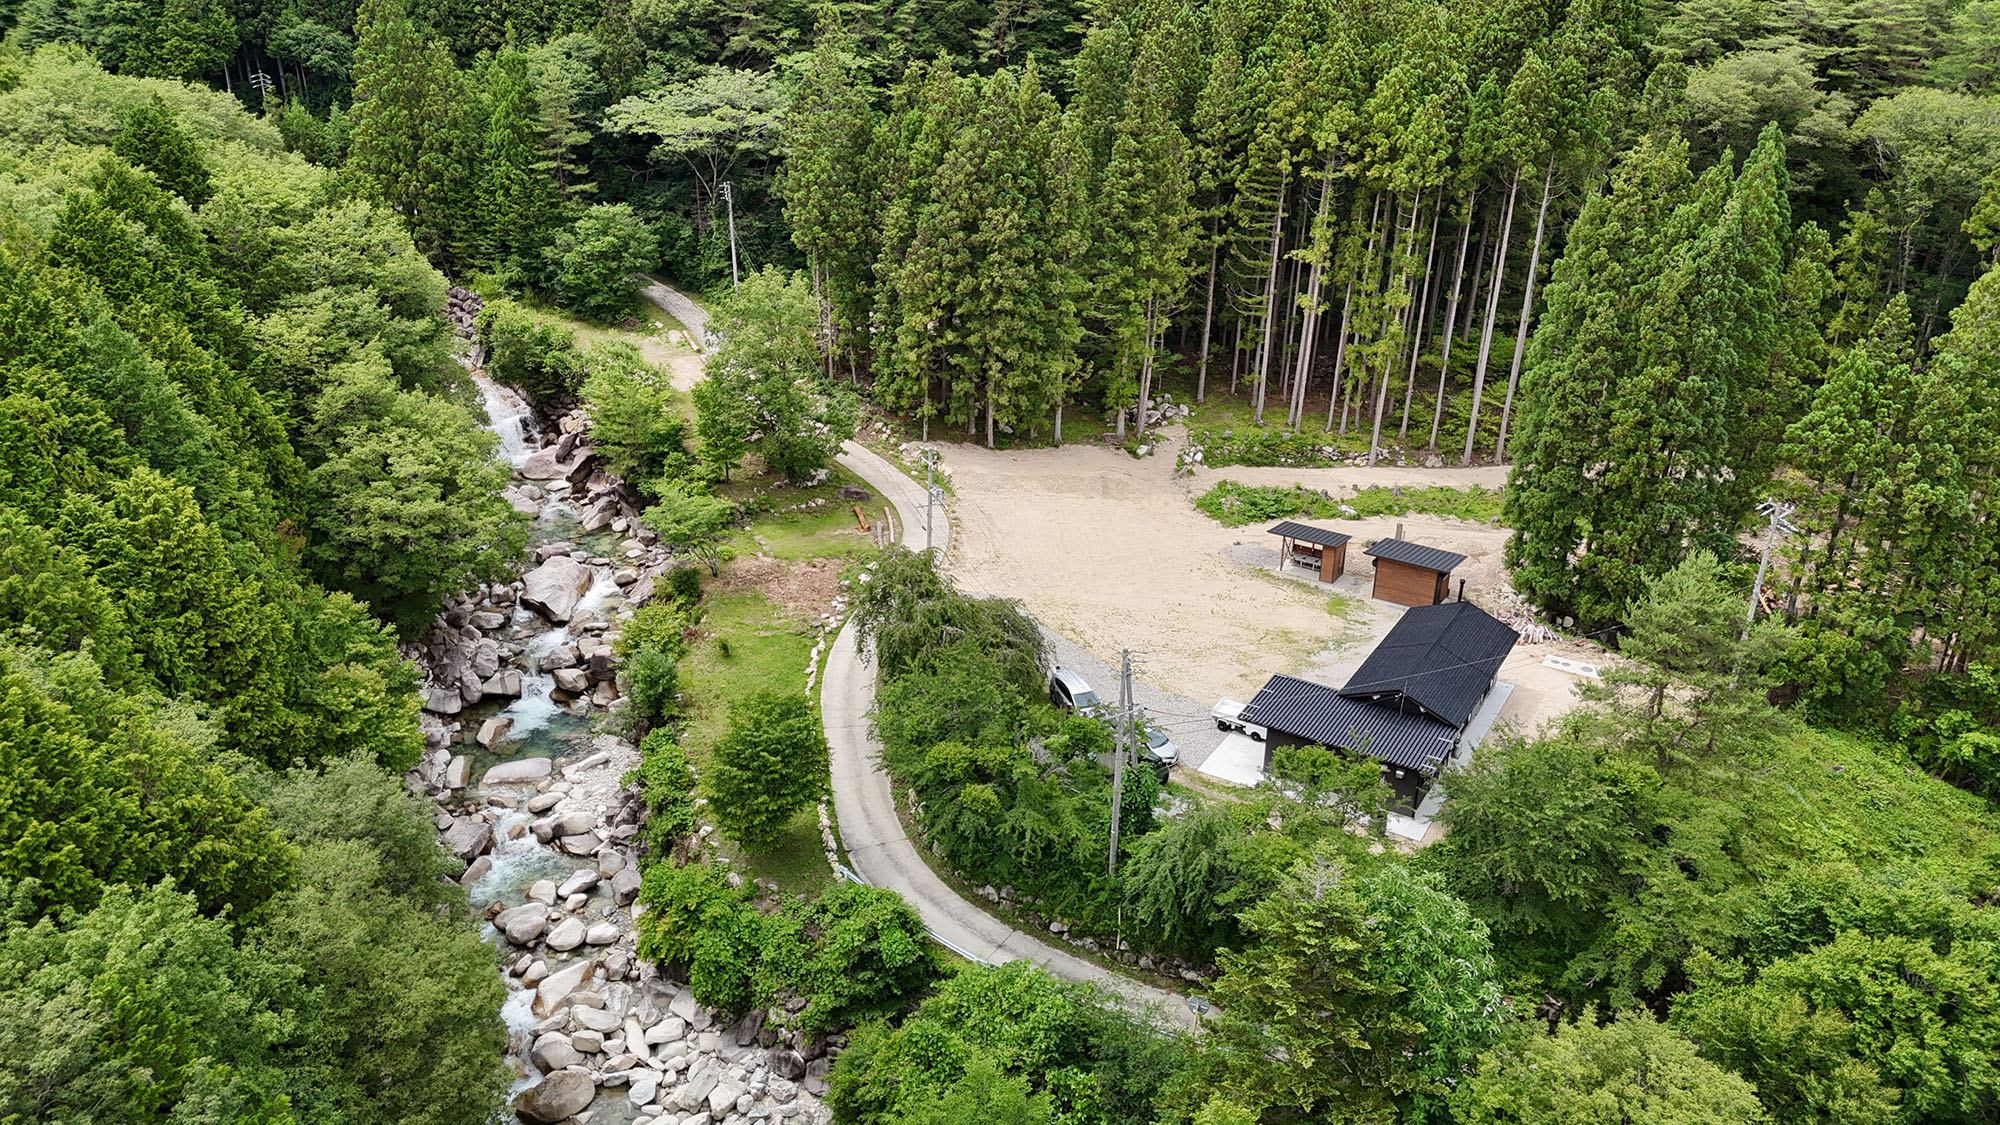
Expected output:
(696, 922)
(684, 584)
(655, 683)
(1233, 504)
(632, 418)
(524, 352)
(770, 764)
(659, 626)
(668, 787)
(855, 952)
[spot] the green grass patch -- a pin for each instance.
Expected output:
(1233, 504)
(748, 644)
(802, 523)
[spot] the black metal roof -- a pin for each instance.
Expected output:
(1441, 658)
(1311, 534)
(1320, 715)
(1415, 554)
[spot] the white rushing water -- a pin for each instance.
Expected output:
(512, 418)
(537, 704)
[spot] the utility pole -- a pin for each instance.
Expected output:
(1118, 751)
(729, 197)
(931, 492)
(1779, 514)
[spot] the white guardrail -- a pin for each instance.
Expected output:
(852, 876)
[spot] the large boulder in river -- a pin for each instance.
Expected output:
(468, 837)
(545, 464)
(517, 772)
(523, 924)
(557, 1098)
(553, 588)
(444, 701)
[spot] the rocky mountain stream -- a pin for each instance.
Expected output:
(528, 792)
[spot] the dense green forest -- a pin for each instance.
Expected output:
(229, 422)
(1665, 259)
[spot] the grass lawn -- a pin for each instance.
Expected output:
(749, 644)
(752, 641)
(651, 341)
(783, 528)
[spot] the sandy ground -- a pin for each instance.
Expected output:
(1110, 551)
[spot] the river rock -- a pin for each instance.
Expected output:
(561, 656)
(566, 936)
(543, 802)
(444, 701)
(587, 1040)
(555, 990)
(458, 772)
(583, 845)
(523, 924)
(579, 880)
(572, 680)
(625, 885)
(553, 588)
(492, 731)
(596, 1019)
(543, 891)
(553, 1052)
(476, 870)
(669, 1030)
(604, 933)
(577, 822)
(469, 837)
(556, 1098)
(724, 1097)
(545, 464)
(485, 658)
(506, 682)
(694, 1092)
(599, 515)
(487, 620)
(787, 1063)
(518, 772)
(644, 1089)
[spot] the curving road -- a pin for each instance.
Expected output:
(877, 847)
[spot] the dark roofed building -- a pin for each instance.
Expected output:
(1302, 544)
(1439, 660)
(1408, 704)
(1410, 573)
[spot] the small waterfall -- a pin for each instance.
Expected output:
(510, 417)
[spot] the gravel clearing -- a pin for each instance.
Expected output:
(1107, 551)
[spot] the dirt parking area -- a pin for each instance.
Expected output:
(1109, 551)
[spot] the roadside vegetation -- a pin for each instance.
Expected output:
(1233, 504)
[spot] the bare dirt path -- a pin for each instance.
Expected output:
(1110, 551)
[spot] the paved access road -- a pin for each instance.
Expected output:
(677, 305)
(877, 847)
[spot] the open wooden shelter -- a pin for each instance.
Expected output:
(1316, 548)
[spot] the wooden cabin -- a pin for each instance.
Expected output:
(1316, 548)
(1410, 573)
